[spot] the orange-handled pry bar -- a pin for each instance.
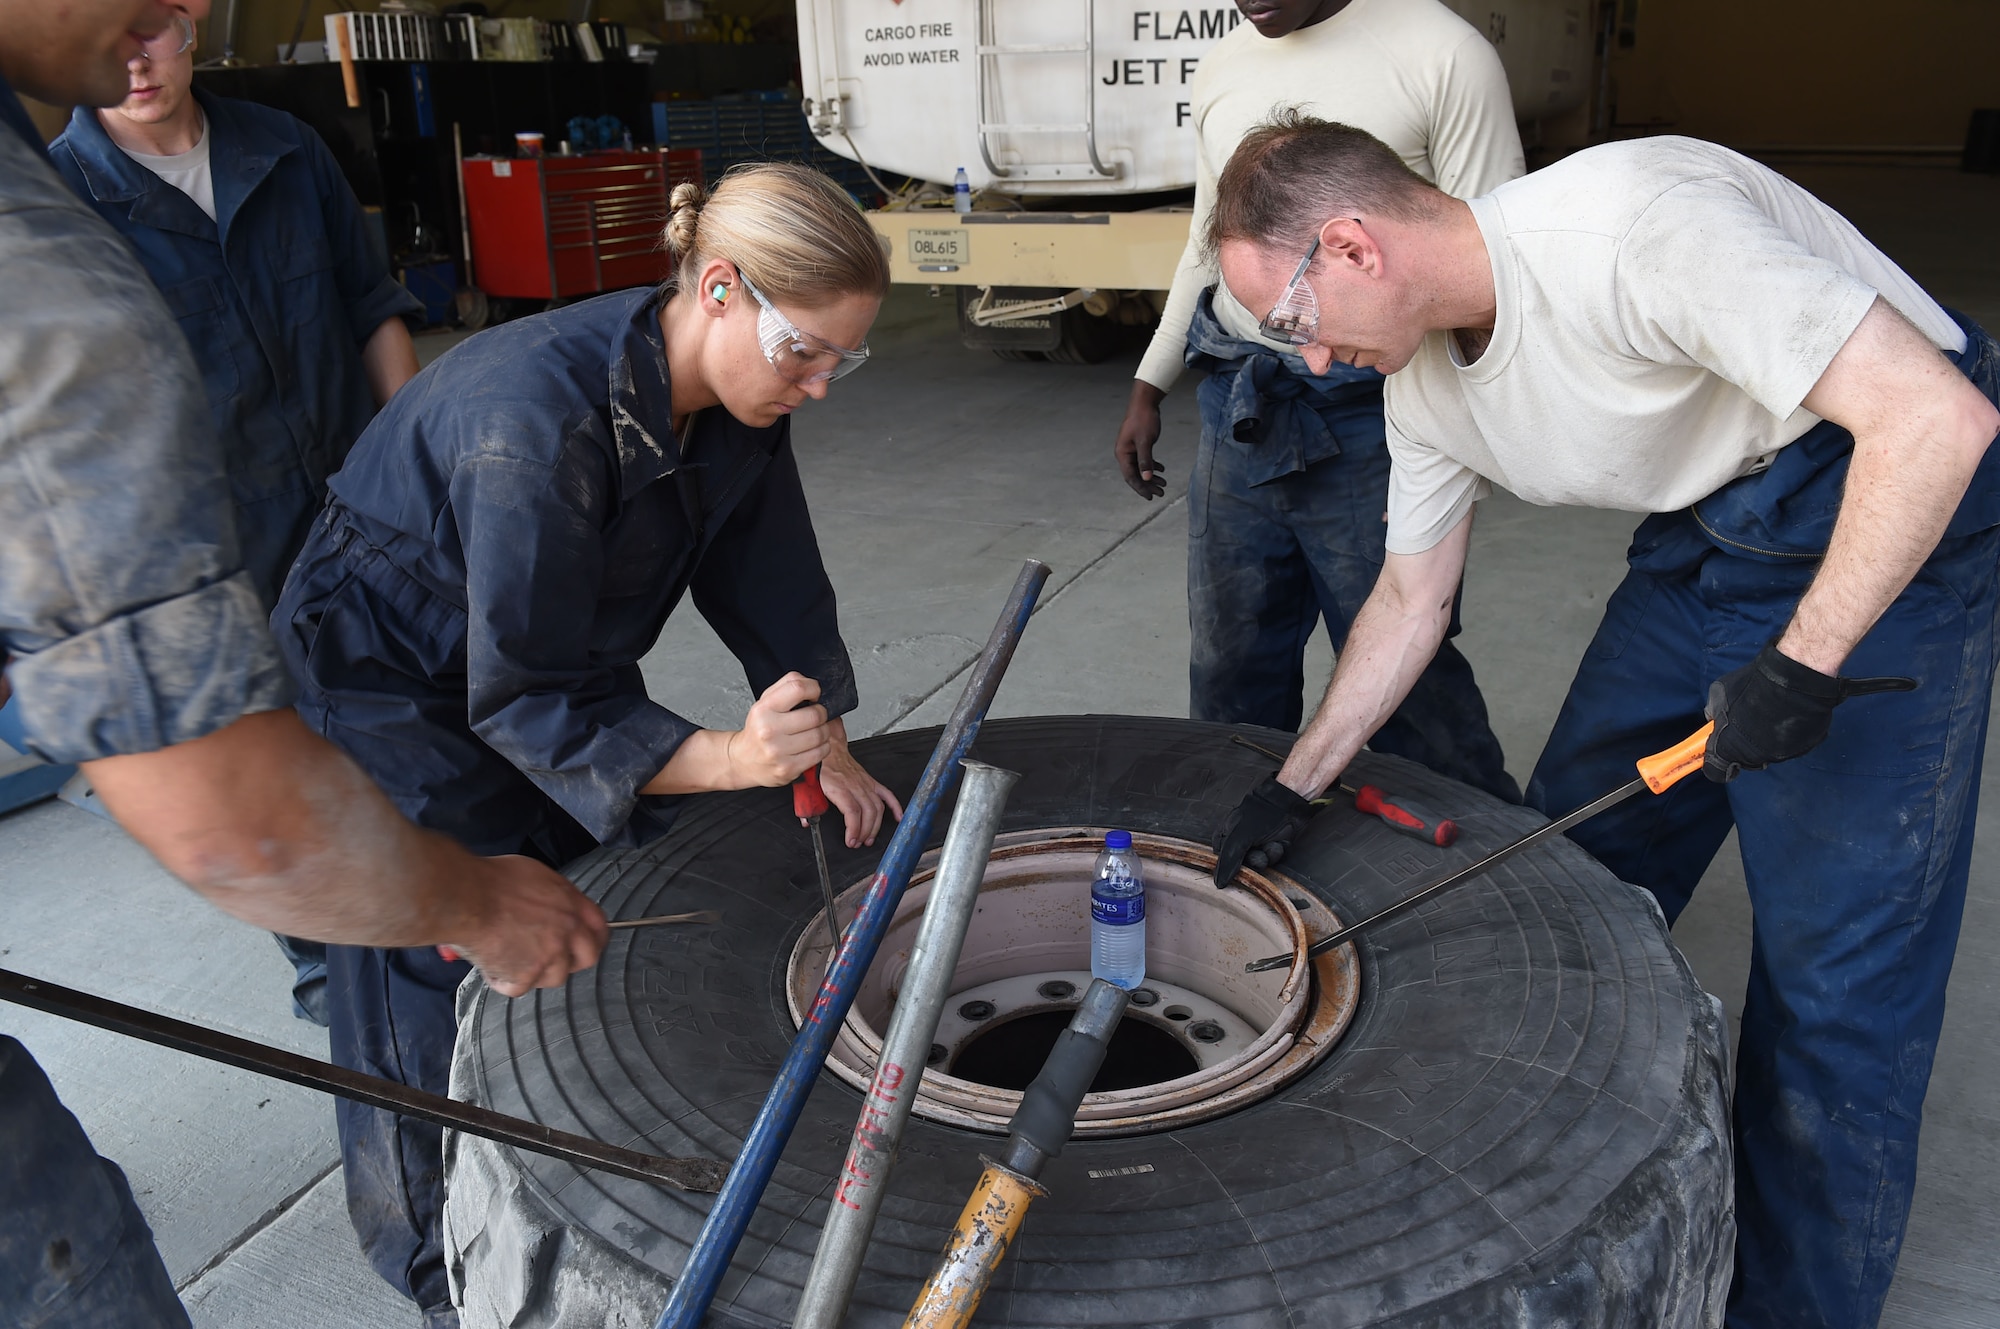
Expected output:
(1663, 770)
(1659, 773)
(1041, 1127)
(985, 1229)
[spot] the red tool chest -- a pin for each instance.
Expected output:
(544, 227)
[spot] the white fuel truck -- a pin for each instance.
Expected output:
(1071, 120)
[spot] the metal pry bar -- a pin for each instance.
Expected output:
(701, 1175)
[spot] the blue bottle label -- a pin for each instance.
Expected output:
(1117, 912)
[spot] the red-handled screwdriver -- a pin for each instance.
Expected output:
(809, 805)
(1412, 819)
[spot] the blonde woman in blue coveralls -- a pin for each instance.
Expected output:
(507, 541)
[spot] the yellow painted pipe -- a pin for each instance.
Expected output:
(988, 1225)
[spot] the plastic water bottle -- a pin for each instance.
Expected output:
(1118, 914)
(961, 192)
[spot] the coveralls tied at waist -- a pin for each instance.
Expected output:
(1269, 402)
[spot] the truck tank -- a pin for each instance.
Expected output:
(1080, 97)
(1084, 100)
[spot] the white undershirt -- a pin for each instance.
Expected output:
(186, 171)
(1662, 308)
(1410, 72)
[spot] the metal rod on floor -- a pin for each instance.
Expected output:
(926, 984)
(687, 1174)
(730, 1215)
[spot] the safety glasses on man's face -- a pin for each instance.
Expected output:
(171, 40)
(799, 357)
(1294, 320)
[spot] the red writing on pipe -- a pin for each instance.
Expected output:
(868, 1132)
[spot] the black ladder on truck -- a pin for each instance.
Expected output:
(987, 82)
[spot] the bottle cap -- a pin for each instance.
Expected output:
(1118, 839)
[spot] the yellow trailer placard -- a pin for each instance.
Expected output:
(1117, 251)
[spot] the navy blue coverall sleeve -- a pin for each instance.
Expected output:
(534, 560)
(763, 587)
(372, 296)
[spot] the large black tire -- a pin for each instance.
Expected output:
(1524, 1125)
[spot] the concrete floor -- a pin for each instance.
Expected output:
(933, 474)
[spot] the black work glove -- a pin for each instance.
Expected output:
(1774, 709)
(1260, 829)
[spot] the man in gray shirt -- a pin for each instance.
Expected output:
(135, 644)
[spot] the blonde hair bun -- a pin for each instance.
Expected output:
(791, 230)
(684, 207)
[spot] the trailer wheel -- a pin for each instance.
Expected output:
(1524, 1125)
(1087, 339)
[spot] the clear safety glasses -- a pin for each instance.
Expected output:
(169, 41)
(799, 357)
(1294, 320)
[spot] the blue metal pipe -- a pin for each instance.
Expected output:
(730, 1215)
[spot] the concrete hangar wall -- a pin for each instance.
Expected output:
(1805, 73)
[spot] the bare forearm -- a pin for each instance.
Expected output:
(389, 359)
(1393, 639)
(1386, 652)
(700, 765)
(1888, 525)
(1920, 429)
(279, 828)
(785, 732)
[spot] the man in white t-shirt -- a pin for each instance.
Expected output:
(1665, 327)
(1285, 505)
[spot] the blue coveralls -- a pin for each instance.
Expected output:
(504, 544)
(128, 625)
(1856, 855)
(277, 296)
(1285, 526)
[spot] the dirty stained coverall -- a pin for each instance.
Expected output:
(506, 541)
(1285, 525)
(131, 625)
(1286, 494)
(277, 295)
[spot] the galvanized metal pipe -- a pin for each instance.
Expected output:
(864, 1178)
(729, 1217)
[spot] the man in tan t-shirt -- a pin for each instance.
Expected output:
(1664, 326)
(1291, 472)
